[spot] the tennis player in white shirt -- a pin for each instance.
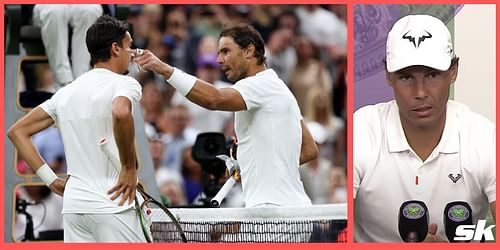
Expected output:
(420, 146)
(98, 201)
(272, 137)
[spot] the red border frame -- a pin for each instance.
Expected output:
(350, 75)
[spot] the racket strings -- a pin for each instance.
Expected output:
(150, 200)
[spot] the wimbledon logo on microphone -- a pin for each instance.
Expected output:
(458, 213)
(413, 211)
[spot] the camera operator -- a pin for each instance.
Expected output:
(204, 152)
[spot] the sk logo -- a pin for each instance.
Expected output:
(421, 37)
(454, 179)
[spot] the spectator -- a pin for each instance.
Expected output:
(320, 110)
(337, 185)
(49, 144)
(171, 187)
(38, 85)
(207, 20)
(280, 53)
(202, 119)
(157, 149)
(152, 103)
(314, 174)
(177, 26)
(308, 73)
(321, 26)
(177, 135)
(331, 39)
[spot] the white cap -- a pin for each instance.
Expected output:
(419, 40)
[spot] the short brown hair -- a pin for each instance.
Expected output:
(244, 35)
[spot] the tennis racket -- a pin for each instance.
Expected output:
(144, 207)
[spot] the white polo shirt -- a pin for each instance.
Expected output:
(386, 169)
(269, 141)
(82, 111)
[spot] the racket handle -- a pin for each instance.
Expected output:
(115, 162)
(217, 200)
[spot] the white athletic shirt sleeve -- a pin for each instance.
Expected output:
(253, 92)
(50, 108)
(483, 133)
(131, 90)
(367, 140)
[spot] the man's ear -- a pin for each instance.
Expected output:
(388, 78)
(115, 49)
(454, 72)
(250, 51)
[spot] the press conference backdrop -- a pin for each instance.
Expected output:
(473, 28)
(475, 32)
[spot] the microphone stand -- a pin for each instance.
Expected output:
(21, 205)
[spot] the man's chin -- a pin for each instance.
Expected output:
(425, 122)
(234, 78)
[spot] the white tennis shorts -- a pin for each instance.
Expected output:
(120, 227)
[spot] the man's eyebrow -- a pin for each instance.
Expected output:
(223, 49)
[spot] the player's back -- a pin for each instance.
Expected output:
(84, 116)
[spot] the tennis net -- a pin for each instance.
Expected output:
(317, 223)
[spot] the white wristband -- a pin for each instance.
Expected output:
(181, 81)
(46, 174)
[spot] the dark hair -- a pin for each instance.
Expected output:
(102, 34)
(454, 61)
(244, 35)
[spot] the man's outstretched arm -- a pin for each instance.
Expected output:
(308, 149)
(194, 89)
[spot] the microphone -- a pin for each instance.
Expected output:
(456, 213)
(21, 205)
(413, 221)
